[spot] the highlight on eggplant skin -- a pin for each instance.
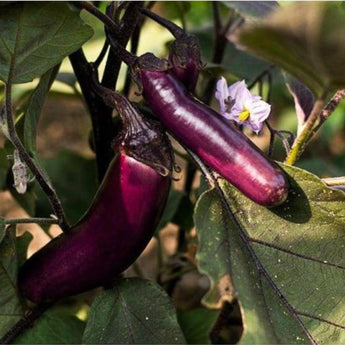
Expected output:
(217, 142)
(108, 239)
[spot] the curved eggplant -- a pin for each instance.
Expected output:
(118, 225)
(217, 142)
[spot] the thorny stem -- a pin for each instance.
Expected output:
(25, 322)
(302, 139)
(24, 155)
(212, 180)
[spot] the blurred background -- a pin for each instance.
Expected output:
(63, 143)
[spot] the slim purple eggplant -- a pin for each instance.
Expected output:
(202, 130)
(217, 142)
(118, 225)
(184, 56)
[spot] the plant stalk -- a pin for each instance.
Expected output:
(24, 155)
(306, 133)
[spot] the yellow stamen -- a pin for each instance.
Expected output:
(244, 114)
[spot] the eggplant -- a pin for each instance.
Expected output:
(217, 142)
(184, 55)
(120, 222)
(206, 133)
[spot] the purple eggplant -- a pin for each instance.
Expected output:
(118, 225)
(202, 130)
(217, 142)
(184, 56)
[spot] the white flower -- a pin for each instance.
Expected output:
(238, 104)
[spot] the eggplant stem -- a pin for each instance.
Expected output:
(102, 54)
(175, 30)
(87, 6)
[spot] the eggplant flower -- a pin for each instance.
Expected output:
(238, 104)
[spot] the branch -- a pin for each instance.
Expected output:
(329, 108)
(24, 155)
(31, 221)
(302, 139)
(101, 115)
(24, 323)
(97, 13)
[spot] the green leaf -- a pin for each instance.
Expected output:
(183, 216)
(174, 200)
(55, 326)
(10, 307)
(303, 38)
(36, 36)
(253, 8)
(197, 324)
(74, 179)
(23, 242)
(67, 78)
(286, 263)
(136, 311)
(34, 107)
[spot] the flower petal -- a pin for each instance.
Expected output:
(239, 92)
(222, 93)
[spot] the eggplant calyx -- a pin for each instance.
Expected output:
(184, 50)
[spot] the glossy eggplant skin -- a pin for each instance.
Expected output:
(112, 234)
(217, 142)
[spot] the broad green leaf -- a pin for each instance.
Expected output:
(67, 78)
(74, 179)
(36, 36)
(304, 39)
(183, 216)
(174, 200)
(34, 107)
(23, 242)
(197, 324)
(135, 311)
(55, 326)
(10, 307)
(286, 263)
(258, 9)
